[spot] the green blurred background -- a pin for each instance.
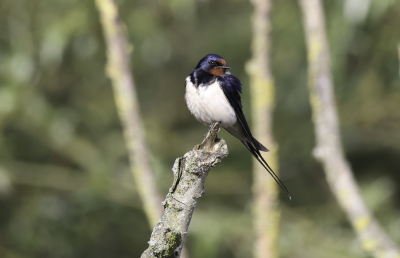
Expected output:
(65, 185)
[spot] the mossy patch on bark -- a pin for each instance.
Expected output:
(173, 241)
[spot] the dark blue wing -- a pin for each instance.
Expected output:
(232, 87)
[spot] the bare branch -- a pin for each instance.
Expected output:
(265, 207)
(119, 70)
(190, 173)
(329, 150)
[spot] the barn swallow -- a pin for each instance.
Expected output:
(212, 95)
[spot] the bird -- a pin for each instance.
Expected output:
(213, 95)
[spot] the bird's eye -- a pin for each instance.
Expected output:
(212, 62)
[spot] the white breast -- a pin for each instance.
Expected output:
(209, 104)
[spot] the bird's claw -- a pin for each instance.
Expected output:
(210, 127)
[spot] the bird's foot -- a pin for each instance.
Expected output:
(210, 127)
(210, 138)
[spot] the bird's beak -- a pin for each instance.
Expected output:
(224, 67)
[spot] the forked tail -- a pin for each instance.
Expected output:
(255, 150)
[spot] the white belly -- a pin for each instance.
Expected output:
(208, 104)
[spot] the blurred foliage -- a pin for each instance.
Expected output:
(65, 186)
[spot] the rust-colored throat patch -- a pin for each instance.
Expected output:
(218, 71)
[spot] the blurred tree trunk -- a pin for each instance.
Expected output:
(119, 70)
(190, 173)
(329, 149)
(266, 213)
(398, 50)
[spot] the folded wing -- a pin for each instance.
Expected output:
(231, 87)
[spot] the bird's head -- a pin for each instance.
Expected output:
(212, 64)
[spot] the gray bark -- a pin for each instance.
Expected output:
(190, 173)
